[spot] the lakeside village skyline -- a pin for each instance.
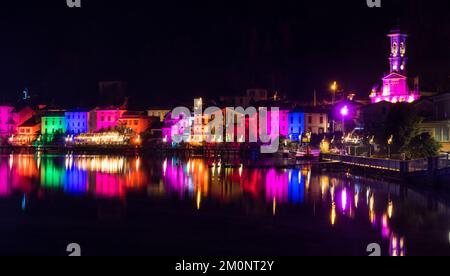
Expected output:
(30, 123)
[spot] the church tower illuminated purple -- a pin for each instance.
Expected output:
(395, 85)
(398, 58)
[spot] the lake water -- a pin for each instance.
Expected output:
(117, 205)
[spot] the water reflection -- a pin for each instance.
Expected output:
(344, 198)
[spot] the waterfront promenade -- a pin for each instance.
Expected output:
(432, 170)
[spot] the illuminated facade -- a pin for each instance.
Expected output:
(200, 122)
(296, 125)
(53, 124)
(137, 123)
(27, 132)
(301, 122)
(6, 121)
(437, 118)
(77, 122)
(283, 122)
(158, 113)
(105, 119)
(22, 115)
(175, 127)
(395, 87)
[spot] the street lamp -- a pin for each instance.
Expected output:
(334, 88)
(344, 113)
(371, 143)
(390, 142)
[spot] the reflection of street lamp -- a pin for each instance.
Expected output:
(344, 113)
(390, 142)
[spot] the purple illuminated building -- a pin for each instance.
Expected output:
(395, 87)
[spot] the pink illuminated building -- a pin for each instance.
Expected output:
(395, 87)
(105, 119)
(283, 122)
(7, 126)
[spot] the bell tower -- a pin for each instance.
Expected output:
(398, 59)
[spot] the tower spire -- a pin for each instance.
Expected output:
(398, 58)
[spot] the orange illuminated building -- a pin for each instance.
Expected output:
(134, 121)
(27, 132)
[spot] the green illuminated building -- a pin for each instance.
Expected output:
(54, 124)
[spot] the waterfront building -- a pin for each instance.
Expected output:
(7, 125)
(172, 127)
(200, 122)
(27, 132)
(159, 113)
(137, 122)
(53, 123)
(283, 122)
(395, 86)
(105, 119)
(296, 124)
(23, 113)
(77, 121)
(436, 111)
(304, 120)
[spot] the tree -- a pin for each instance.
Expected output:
(403, 124)
(422, 146)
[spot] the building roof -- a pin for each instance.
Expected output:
(77, 110)
(134, 114)
(394, 76)
(309, 110)
(53, 114)
(31, 122)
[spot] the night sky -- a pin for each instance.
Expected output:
(174, 50)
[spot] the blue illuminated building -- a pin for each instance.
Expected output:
(296, 124)
(77, 121)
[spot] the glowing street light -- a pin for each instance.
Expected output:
(390, 142)
(334, 88)
(371, 143)
(344, 113)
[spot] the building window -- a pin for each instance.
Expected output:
(321, 120)
(445, 134)
(438, 135)
(309, 119)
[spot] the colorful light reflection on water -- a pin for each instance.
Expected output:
(347, 198)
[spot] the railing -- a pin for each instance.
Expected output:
(411, 167)
(375, 163)
(443, 162)
(418, 165)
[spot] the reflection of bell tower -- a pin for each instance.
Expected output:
(398, 59)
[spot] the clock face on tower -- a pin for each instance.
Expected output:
(394, 49)
(402, 49)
